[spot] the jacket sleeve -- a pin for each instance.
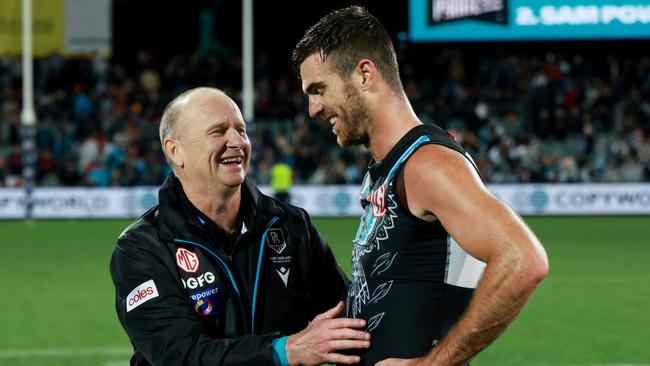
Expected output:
(331, 281)
(159, 320)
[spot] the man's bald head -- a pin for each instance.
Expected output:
(173, 111)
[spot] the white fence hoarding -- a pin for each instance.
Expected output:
(534, 199)
(79, 202)
(576, 199)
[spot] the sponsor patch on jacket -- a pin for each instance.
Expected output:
(199, 281)
(284, 275)
(209, 301)
(141, 294)
(275, 240)
(186, 260)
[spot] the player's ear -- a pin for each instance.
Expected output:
(366, 72)
(174, 151)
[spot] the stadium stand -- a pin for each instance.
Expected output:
(558, 117)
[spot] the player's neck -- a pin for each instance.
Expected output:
(392, 120)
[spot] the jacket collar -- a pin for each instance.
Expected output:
(177, 220)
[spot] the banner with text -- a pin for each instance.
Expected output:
(534, 199)
(519, 20)
(576, 199)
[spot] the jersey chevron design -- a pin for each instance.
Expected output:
(372, 231)
(410, 280)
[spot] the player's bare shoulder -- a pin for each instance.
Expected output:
(436, 176)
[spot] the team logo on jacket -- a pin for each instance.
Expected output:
(378, 201)
(276, 241)
(209, 301)
(186, 260)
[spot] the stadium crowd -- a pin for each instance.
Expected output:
(558, 117)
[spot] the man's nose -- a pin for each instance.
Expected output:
(315, 107)
(235, 140)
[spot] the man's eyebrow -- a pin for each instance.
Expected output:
(313, 87)
(216, 125)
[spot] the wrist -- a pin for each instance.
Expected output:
(290, 351)
(434, 358)
(280, 352)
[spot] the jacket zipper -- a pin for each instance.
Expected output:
(225, 267)
(257, 274)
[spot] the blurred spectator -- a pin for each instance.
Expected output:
(98, 175)
(556, 117)
(281, 180)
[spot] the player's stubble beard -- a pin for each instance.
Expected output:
(356, 118)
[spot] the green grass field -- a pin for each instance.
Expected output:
(593, 309)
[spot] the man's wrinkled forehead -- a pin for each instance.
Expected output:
(203, 108)
(211, 101)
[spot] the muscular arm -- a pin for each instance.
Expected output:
(488, 230)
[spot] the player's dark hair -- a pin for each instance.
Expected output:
(346, 36)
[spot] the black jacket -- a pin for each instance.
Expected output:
(188, 296)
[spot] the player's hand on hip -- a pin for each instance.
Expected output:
(324, 337)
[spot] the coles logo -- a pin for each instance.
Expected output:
(141, 294)
(200, 281)
(187, 260)
(378, 201)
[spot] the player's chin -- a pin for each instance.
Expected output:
(342, 140)
(346, 141)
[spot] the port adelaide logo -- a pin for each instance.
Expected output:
(275, 240)
(279, 257)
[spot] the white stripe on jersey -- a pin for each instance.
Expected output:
(463, 270)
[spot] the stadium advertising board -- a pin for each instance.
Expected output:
(70, 203)
(526, 199)
(520, 20)
(576, 199)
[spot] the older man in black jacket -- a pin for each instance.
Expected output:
(218, 273)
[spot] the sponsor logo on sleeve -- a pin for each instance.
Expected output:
(141, 294)
(186, 260)
(209, 301)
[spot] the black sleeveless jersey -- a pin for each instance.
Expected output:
(410, 280)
